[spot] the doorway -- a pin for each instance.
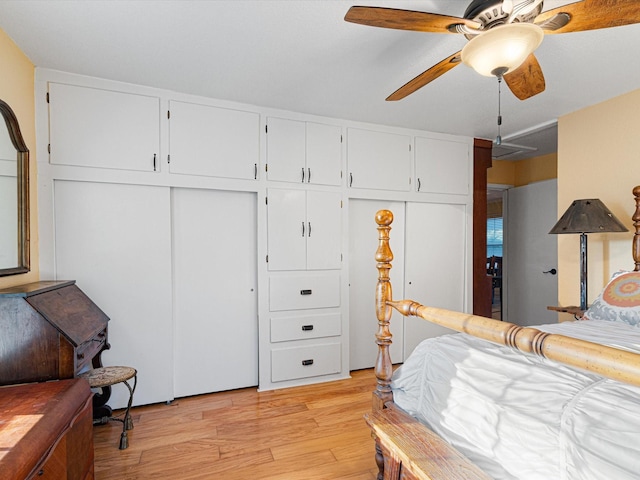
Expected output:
(495, 252)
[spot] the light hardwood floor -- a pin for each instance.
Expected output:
(309, 433)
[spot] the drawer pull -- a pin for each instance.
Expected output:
(305, 292)
(80, 356)
(306, 363)
(307, 328)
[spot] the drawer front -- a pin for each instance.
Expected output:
(305, 326)
(303, 362)
(303, 291)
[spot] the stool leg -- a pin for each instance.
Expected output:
(127, 423)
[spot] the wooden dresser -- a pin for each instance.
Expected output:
(46, 431)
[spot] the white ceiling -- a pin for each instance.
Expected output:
(302, 56)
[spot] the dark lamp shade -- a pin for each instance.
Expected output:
(588, 216)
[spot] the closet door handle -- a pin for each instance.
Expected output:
(255, 171)
(350, 179)
(302, 174)
(419, 184)
(154, 162)
(303, 229)
(309, 234)
(309, 175)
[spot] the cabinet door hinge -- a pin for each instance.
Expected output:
(47, 97)
(168, 113)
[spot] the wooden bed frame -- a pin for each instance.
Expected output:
(407, 449)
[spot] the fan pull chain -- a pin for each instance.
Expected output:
(499, 137)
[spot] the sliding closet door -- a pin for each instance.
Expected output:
(436, 250)
(363, 242)
(215, 290)
(114, 240)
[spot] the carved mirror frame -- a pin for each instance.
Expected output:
(23, 192)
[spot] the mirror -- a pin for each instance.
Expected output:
(14, 196)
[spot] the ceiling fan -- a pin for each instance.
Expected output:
(487, 23)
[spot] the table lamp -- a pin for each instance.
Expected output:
(587, 216)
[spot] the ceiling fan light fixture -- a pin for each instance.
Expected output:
(502, 49)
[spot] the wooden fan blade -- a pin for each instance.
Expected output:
(421, 80)
(527, 80)
(594, 14)
(406, 19)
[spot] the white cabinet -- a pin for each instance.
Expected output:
(378, 160)
(305, 325)
(304, 229)
(91, 127)
(436, 272)
(303, 152)
(209, 306)
(443, 166)
(211, 141)
(115, 241)
(363, 242)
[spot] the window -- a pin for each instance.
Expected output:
(494, 237)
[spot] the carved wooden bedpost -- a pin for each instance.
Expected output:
(384, 256)
(636, 235)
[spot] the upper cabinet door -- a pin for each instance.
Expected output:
(303, 152)
(90, 127)
(286, 150)
(212, 141)
(378, 160)
(324, 154)
(442, 166)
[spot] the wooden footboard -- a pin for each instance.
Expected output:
(407, 449)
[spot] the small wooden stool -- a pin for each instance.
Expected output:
(107, 376)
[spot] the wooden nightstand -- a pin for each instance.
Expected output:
(577, 312)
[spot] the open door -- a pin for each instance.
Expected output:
(531, 253)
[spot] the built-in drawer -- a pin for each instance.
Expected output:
(298, 291)
(297, 327)
(302, 362)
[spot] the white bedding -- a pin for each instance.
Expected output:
(529, 418)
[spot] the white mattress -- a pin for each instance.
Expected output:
(521, 417)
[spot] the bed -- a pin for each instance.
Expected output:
(557, 401)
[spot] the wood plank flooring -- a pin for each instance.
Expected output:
(309, 433)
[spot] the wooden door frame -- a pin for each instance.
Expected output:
(481, 281)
